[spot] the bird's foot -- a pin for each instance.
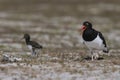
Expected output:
(95, 56)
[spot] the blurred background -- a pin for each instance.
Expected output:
(55, 23)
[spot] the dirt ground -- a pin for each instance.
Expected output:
(54, 24)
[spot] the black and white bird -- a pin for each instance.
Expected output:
(93, 39)
(32, 45)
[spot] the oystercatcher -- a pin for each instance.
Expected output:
(32, 45)
(93, 39)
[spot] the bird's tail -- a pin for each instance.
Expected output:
(106, 50)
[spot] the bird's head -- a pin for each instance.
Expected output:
(86, 25)
(26, 36)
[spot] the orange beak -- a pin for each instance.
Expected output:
(83, 28)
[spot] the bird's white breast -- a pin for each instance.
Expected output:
(29, 46)
(97, 43)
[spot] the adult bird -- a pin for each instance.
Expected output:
(32, 45)
(93, 39)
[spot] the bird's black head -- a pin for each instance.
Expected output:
(27, 37)
(86, 25)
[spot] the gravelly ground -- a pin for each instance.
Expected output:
(55, 24)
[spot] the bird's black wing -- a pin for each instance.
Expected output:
(35, 45)
(89, 34)
(102, 37)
